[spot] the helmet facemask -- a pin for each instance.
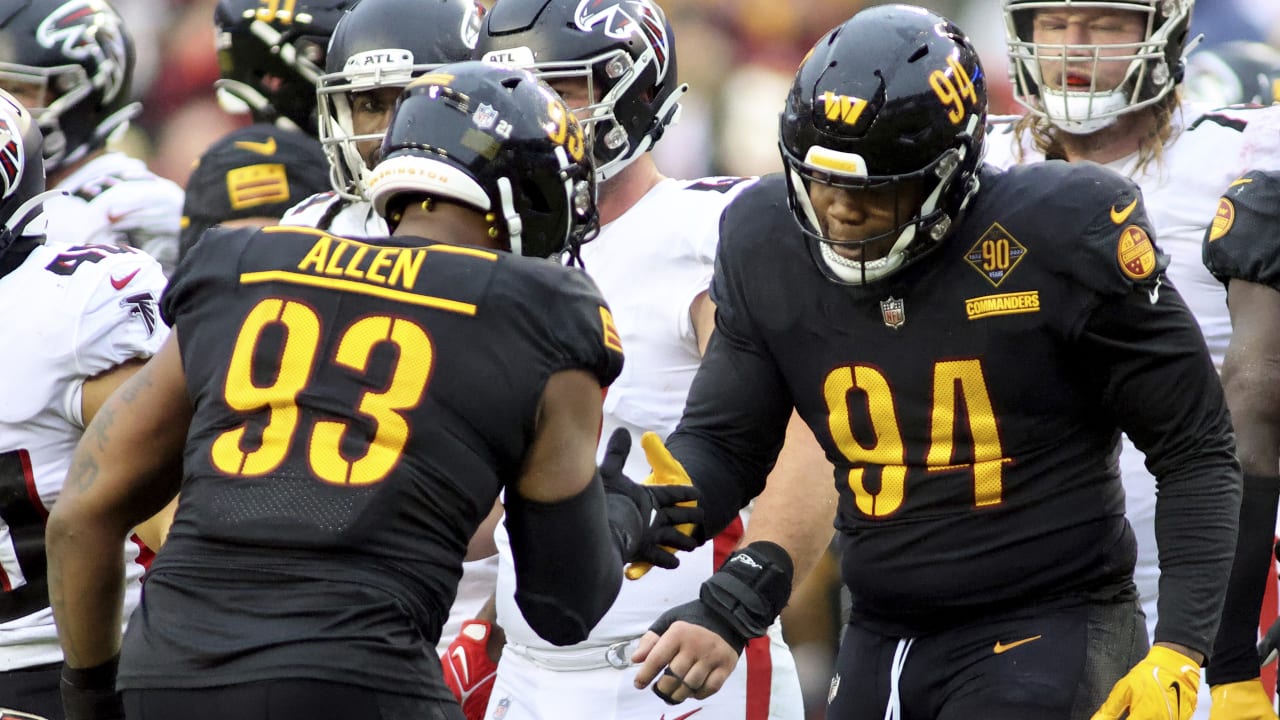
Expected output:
(364, 72)
(1069, 83)
(914, 229)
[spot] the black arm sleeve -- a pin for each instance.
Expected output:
(1235, 652)
(1157, 378)
(734, 423)
(568, 570)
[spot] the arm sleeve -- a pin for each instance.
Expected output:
(1157, 378)
(568, 569)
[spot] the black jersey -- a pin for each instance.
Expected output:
(972, 402)
(1243, 242)
(358, 407)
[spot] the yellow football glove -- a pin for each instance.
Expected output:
(1161, 687)
(666, 471)
(1245, 700)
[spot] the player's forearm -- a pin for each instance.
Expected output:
(86, 585)
(797, 508)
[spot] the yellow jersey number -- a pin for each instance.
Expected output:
(953, 86)
(279, 397)
(953, 380)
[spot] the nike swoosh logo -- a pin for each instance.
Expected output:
(114, 218)
(120, 283)
(1119, 216)
(461, 656)
(1003, 648)
(682, 717)
(262, 148)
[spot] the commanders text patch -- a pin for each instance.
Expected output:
(995, 254)
(1003, 304)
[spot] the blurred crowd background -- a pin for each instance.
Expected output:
(739, 58)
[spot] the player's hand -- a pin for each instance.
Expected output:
(693, 661)
(469, 671)
(1162, 686)
(644, 518)
(666, 471)
(1245, 700)
(90, 693)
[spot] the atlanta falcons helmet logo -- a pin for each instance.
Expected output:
(88, 30)
(623, 18)
(12, 155)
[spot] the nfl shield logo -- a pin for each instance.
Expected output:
(485, 116)
(893, 312)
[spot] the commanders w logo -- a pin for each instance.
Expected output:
(88, 30)
(843, 108)
(622, 18)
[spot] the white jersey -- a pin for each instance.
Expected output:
(1208, 150)
(74, 312)
(667, 241)
(115, 200)
(355, 219)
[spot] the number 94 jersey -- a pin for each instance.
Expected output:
(972, 402)
(359, 405)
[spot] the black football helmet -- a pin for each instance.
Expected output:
(22, 183)
(1155, 63)
(384, 43)
(71, 63)
(498, 139)
(624, 49)
(271, 55)
(1239, 72)
(894, 97)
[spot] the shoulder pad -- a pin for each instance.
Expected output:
(1244, 241)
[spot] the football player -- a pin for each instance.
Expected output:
(615, 64)
(376, 49)
(967, 345)
(79, 320)
(71, 63)
(1100, 83)
(1241, 250)
(345, 412)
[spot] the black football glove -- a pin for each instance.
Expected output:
(643, 518)
(90, 693)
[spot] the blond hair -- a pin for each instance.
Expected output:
(1047, 139)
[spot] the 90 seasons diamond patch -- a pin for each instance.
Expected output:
(995, 254)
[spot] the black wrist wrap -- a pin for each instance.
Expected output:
(751, 588)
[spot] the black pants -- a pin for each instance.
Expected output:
(33, 690)
(283, 700)
(1043, 664)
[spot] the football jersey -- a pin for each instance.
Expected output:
(115, 200)
(358, 408)
(1208, 149)
(1242, 241)
(333, 213)
(74, 312)
(650, 263)
(972, 402)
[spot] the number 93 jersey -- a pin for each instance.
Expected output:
(971, 402)
(358, 407)
(73, 312)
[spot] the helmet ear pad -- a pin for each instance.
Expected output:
(891, 100)
(499, 140)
